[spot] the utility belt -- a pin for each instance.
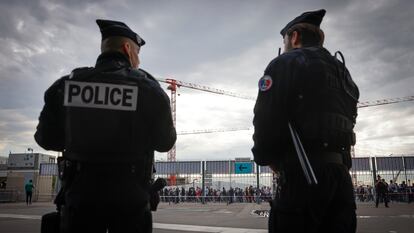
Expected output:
(316, 159)
(291, 165)
(109, 158)
(139, 171)
(327, 157)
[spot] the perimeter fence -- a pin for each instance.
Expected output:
(244, 181)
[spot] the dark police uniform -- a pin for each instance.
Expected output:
(107, 120)
(315, 93)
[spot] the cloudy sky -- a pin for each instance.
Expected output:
(222, 44)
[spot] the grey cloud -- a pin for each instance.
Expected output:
(16, 129)
(376, 35)
(34, 55)
(223, 44)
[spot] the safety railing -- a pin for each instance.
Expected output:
(215, 199)
(9, 195)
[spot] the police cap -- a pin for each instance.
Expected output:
(115, 28)
(311, 17)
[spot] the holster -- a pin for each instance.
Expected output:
(158, 185)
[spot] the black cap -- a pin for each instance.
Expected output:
(311, 17)
(115, 28)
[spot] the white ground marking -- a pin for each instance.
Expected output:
(20, 216)
(179, 227)
(393, 216)
(165, 226)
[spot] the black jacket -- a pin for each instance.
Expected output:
(314, 91)
(108, 132)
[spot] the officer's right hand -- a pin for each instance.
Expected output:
(155, 194)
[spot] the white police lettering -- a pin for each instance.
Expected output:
(101, 95)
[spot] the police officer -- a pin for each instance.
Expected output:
(312, 90)
(107, 120)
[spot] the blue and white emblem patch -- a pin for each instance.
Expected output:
(265, 83)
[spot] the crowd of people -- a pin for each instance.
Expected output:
(230, 195)
(385, 192)
(382, 191)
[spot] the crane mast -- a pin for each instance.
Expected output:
(173, 84)
(173, 88)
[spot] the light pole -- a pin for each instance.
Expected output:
(392, 169)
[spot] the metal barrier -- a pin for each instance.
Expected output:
(215, 199)
(9, 195)
(244, 177)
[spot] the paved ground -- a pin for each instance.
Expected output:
(191, 218)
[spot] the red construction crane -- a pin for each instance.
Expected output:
(384, 101)
(174, 84)
(204, 131)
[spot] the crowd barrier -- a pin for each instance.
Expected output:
(9, 195)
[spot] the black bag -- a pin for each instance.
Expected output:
(50, 223)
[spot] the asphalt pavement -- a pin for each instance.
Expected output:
(215, 217)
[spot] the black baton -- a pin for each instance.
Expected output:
(303, 159)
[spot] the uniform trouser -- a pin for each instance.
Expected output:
(326, 207)
(97, 200)
(99, 220)
(29, 197)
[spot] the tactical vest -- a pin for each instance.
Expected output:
(103, 120)
(325, 102)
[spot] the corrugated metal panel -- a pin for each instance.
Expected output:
(409, 163)
(232, 162)
(48, 169)
(190, 167)
(389, 163)
(224, 166)
(217, 167)
(184, 167)
(360, 164)
(165, 167)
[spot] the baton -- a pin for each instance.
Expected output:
(303, 159)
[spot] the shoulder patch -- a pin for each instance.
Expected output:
(265, 83)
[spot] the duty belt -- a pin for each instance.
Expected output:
(326, 157)
(138, 170)
(121, 157)
(315, 158)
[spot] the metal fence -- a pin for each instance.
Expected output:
(246, 178)
(256, 183)
(227, 173)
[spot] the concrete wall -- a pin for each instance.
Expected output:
(16, 180)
